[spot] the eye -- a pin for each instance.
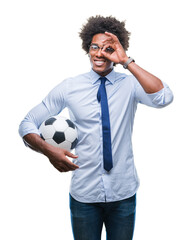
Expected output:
(94, 47)
(109, 49)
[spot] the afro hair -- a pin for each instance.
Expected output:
(99, 24)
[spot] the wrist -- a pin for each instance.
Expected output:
(124, 60)
(129, 60)
(47, 149)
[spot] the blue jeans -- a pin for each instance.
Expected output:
(119, 218)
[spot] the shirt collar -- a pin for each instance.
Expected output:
(95, 76)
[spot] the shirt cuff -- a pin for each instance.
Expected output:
(163, 97)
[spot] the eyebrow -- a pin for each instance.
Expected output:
(97, 45)
(94, 44)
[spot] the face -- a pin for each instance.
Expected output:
(99, 63)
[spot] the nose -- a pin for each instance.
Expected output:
(99, 53)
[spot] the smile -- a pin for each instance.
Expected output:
(99, 62)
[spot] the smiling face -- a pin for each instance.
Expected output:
(99, 63)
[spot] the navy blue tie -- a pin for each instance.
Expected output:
(107, 153)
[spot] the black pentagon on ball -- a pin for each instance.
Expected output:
(71, 124)
(74, 143)
(59, 137)
(50, 121)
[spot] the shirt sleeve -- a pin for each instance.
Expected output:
(51, 105)
(158, 99)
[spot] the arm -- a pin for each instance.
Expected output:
(28, 130)
(149, 82)
(57, 156)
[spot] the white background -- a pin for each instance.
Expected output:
(39, 47)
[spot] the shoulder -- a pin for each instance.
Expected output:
(78, 78)
(74, 80)
(127, 79)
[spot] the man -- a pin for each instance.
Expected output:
(102, 104)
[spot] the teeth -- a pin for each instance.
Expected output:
(99, 63)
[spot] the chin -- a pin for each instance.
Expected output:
(103, 72)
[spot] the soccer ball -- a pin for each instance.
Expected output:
(59, 132)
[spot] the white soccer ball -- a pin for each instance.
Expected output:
(59, 132)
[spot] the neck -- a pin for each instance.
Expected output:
(103, 74)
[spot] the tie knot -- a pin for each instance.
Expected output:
(101, 88)
(103, 79)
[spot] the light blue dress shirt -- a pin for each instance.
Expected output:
(91, 183)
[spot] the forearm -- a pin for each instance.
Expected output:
(148, 81)
(35, 142)
(57, 156)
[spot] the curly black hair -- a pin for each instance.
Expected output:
(99, 24)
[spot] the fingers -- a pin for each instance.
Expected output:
(62, 163)
(108, 48)
(69, 154)
(111, 42)
(106, 54)
(108, 41)
(68, 165)
(111, 37)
